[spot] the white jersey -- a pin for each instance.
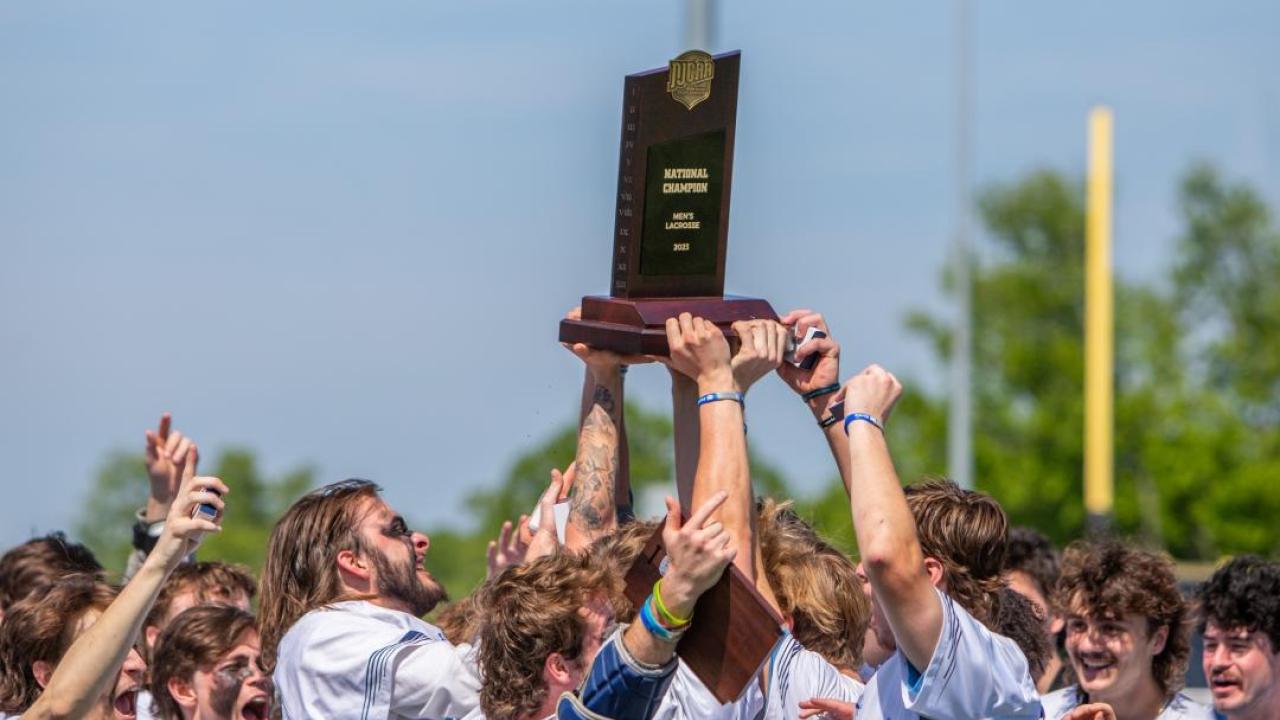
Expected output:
(974, 673)
(1180, 707)
(795, 675)
(688, 699)
(360, 661)
(142, 708)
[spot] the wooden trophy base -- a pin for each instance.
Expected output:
(638, 326)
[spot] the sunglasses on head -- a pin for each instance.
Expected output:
(344, 487)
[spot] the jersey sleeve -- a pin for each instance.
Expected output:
(433, 679)
(974, 673)
(797, 674)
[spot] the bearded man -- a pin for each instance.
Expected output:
(343, 589)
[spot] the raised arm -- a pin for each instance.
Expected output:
(885, 528)
(164, 453)
(602, 483)
(819, 384)
(686, 431)
(699, 350)
(164, 450)
(93, 661)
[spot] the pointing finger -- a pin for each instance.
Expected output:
(707, 508)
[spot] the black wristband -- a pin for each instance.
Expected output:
(819, 392)
(828, 421)
(143, 540)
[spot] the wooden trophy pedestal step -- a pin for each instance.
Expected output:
(638, 326)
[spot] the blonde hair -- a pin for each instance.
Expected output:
(816, 585)
(968, 533)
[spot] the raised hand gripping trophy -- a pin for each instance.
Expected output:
(670, 233)
(671, 229)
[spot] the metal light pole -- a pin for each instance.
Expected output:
(960, 409)
(699, 25)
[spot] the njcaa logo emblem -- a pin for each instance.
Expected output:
(689, 78)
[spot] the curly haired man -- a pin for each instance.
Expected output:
(1240, 620)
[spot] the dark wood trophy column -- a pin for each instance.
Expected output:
(672, 224)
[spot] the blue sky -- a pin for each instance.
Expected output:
(342, 234)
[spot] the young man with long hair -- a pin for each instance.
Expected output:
(343, 591)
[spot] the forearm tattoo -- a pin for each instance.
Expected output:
(592, 507)
(603, 398)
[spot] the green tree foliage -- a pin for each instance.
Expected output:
(1197, 372)
(121, 487)
(105, 525)
(1227, 283)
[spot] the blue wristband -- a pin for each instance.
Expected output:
(651, 623)
(819, 392)
(854, 417)
(712, 397)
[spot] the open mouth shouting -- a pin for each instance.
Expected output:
(125, 704)
(257, 708)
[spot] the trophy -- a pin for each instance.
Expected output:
(670, 232)
(674, 173)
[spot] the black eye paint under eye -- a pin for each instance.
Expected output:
(226, 687)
